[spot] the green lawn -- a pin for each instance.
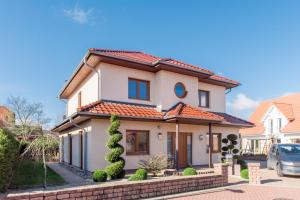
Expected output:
(31, 173)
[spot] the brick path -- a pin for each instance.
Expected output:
(247, 192)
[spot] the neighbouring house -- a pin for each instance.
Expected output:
(7, 117)
(276, 121)
(165, 106)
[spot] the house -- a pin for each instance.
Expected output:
(7, 117)
(276, 121)
(165, 106)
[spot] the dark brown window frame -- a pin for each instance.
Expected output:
(185, 92)
(138, 89)
(207, 98)
(147, 152)
(219, 141)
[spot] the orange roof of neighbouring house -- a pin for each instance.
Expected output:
(288, 105)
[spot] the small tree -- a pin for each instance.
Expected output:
(230, 145)
(116, 168)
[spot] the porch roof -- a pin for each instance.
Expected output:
(180, 112)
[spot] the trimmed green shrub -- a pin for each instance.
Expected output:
(116, 168)
(242, 163)
(235, 151)
(245, 174)
(225, 149)
(142, 172)
(136, 177)
(99, 176)
(189, 171)
(225, 140)
(232, 137)
(9, 150)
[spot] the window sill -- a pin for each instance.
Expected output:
(139, 99)
(137, 154)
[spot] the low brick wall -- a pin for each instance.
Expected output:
(134, 190)
(254, 173)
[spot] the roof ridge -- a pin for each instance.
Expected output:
(114, 50)
(274, 102)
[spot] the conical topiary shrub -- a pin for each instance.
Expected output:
(116, 168)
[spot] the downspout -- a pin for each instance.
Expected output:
(94, 70)
(228, 91)
(85, 144)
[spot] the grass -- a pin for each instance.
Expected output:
(31, 174)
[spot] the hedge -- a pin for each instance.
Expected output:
(9, 150)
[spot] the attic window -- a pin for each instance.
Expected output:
(180, 90)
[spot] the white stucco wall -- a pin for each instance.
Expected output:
(113, 85)
(98, 137)
(89, 93)
(217, 99)
(76, 145)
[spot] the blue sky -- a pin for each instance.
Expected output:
(255, 42)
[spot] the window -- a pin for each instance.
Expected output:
(203, 98)
(137, 142)
(271, 125)
(179, 90)
(216, 142)
(138, 89)
(79, 99)
(279, 123)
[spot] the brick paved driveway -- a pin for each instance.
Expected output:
(247, 192)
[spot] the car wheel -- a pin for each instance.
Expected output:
(279, 170)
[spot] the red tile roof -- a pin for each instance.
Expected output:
(153, 60)
(146, 112)
(182, 110)
(122, 109)
(179, 111)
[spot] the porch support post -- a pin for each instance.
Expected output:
(176, 145)
(210, 146)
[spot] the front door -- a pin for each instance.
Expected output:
(184, 149)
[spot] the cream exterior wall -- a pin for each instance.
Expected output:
(114, 83)
(98, 137)
(217, 96)
(76, 145)
(89, 93)
(113, 86)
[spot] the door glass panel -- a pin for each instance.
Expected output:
(189, 150)
(170, 151)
